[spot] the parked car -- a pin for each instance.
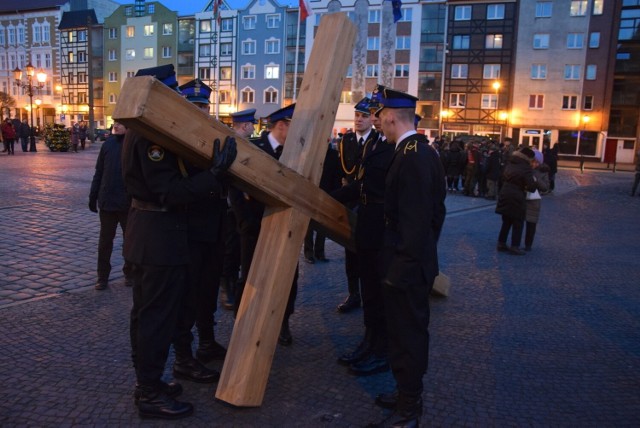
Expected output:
(102, 134)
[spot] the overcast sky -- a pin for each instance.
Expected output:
(189, 7)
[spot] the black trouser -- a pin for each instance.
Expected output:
(108, 225)
(407, 318)
(312, 248)
(8, 144)
(158, 293)
(351, 269)
(200, 304)
(231, 262)
(24, 142)
(516, 234)
(529, 234)
(372, 297)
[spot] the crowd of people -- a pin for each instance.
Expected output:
(13, 131)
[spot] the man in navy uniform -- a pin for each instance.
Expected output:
(414, 213)
(249, 214)
(157, 245)
(367, 192)
(350, 149)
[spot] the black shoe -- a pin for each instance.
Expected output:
(210, 350)
(387, 400)
(406, 415)
(352, 302)
(285, 338)
(172, 389)
(361, 352)
(515, 251)
(154, 403)
(370, 365)
(309, 258)
(502, 247)
(191, 369)
(101, 284)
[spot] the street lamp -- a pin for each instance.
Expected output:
(29, 86)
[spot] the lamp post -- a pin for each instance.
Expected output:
(30, 86)
(496, 86)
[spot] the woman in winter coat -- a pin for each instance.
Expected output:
(541, 175)
(8, 136)
(517, 179)
(454, 165)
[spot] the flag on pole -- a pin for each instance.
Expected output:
(216, 11)
(305, 10)
(397, 10)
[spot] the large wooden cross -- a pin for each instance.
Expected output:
(288, 187)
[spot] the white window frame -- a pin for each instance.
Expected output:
(112, 98)
(571, 72)
(270, 95)
(544, 9)
(130, 54)
(374, 16)
(204, 73)
(167, 52)
(113, 76)
(406, 14)
(248, 71)
(459, 71)
(578, 8)
(575, 40)
(491, 71)
(591, 72)
(247, 93)
(249, 22)
(495, 11)
(249, 47)
(489, 101)
(226, 49)
(224, 96)
(113, 55)
(148, 53)
(494, 41)
(403, 43)
(130, 31)
(226, 73)
(536, 101)
(204, 50)
(373, 43)
(598, 7)
(461, 42)
(457, 100)
(594, 39)
(273, 20)
(462, 13)
(113, 33)
(402, 70)
(226, 24)
(167, 29)
(569, 102)
(372, 70)
(272, 46)
(272, 71)
(588, 106)
(541, 41)
(538, 71)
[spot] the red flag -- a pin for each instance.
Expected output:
(305, 10)
(216, 11)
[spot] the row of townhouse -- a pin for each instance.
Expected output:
(562, 71)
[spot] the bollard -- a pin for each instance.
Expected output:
(582, 164)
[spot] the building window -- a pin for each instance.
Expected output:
(113, 76)
(167, 29)
(495, 11)
(461, 41)
(571, 72)
(82, 36)
(82, 97)
(21, 35)
(538, 71)
(536, 101)
(457, 100)
(403, 42)
(594, 40)
(273, 21)
(372, 70)
(131, 31)
(575, 41)
(373, 43)
(82, 56)
(544, 9)
(46, 30)
(489, 101)
(248, 71)
(226, 24)
(148, 53)
(113, 33)
(204, 73)
(205, 26)
(131, 74)
(406, 14)
(37, 36)
(224, 97)
(112, 99)
(590, 73)
(598, 6)
(272, 46)
(271, 95)
(569, 102)
(225, 73)
(459, 71)
(249, 47)
(249, 22)
(247, 96)
(345, 97)
(541, 41)
(47, 60)
(578, 8)
(128, 11)
(491, 71)
(272, 71)
(166, 52)
(588, 102)
(151, 9)
(402, 70)
(112, 55)
(493, 41)
(130, 54)
(226, 49)
(374, 16)
(462, 13)
(204, 50)
(149, 30)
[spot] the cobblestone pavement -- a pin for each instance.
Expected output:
(548, 339)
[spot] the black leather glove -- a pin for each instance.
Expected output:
(223, 158)
(93, 206)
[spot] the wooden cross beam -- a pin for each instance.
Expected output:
(290, 191)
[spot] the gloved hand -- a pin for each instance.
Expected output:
(93, 206)
(223, 158)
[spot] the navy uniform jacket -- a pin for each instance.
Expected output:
(107, 186)
(152, 175)
(414, 213)
(368, 192)
(351, 153)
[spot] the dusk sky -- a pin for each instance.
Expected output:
(189, 7)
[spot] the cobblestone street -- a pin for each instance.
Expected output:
(548, 339)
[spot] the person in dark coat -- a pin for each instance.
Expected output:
(82, 133)
(517, 179)
(367, 192)
(454, 163)
(8, 136)
(494, 170)
(636, 180)
(23, 132)
(534, 200)
(414, 213)
(157, 245)
(249, 215)
(551, 160)
(108, 193)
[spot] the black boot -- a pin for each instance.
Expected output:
(352, 302)
(285, 338)
(154, 403)
(387, 400)
(210, 350)
(171, 389)
(188, 368)
(362, 350)
(228, 293)
(406, 414)
(372, 364)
